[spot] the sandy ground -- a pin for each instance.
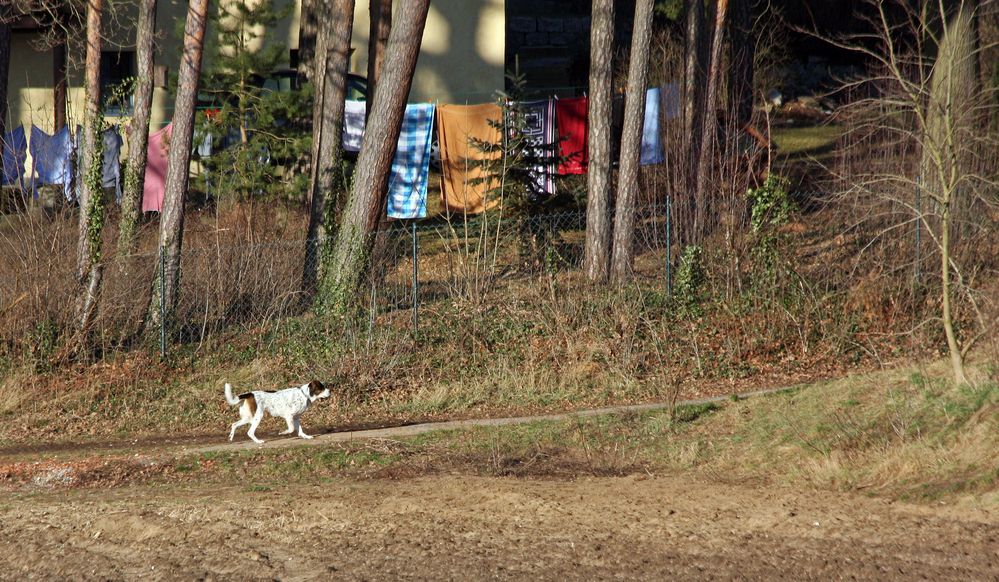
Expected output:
(460, 527)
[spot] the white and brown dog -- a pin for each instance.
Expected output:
(289, 404)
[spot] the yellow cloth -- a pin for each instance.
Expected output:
(457, 126)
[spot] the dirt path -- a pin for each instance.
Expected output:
(456, 527)
(198, 443)
(242, 441)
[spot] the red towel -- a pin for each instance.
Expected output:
(572, 126)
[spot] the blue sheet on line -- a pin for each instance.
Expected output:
(652, 146)
(52, 159)
(407, 191)
(660, 104)
(15, 151)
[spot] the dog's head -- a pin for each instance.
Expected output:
(317, 390)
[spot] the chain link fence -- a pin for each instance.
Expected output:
(233, 288)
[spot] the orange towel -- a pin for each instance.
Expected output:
(457, 125)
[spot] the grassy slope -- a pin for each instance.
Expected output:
(903, 434)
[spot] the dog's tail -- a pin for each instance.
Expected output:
(232, 400)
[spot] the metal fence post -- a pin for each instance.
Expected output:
(163, 322)
(416, 281)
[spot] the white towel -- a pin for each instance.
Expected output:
(353, 125)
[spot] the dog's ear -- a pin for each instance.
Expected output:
(315, 388)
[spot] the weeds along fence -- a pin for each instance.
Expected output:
(234, 288)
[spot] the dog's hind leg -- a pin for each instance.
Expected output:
(235, 425)
(244, 418)
(291, 426)
(254, 424)
(298, 426)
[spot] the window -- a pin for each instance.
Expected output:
(117, 67)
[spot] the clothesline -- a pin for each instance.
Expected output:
(549, 124)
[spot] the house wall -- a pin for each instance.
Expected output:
(462, 58)
(462, 55)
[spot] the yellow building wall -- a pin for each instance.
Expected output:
(461, 58)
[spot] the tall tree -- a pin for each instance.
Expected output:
(596, 260)
(5, 13)
(330, 80)
(59, 71)
(696, 42)
(378, 33)
(948, 126)
(355, 237)
(709, 122)
(631, 142)
(164, 294)
(742, 53)
(138, 132)
(89, 268)
(308, 31)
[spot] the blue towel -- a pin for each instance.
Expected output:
(407, 191)
(15, 151)
(52, 159)
(652, 146)
(111, 171)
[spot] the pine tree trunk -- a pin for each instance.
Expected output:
(695, 67)
(355, 237)
(742, 53)
(89, 271)
(138, 133)
(308, 32)
(631, 142)
(59, 77)
(178, 164)
(381, 25)
(4, 67)
(709, 126)
(596, 260)
(327, 179)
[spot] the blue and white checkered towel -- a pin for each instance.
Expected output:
(407, 191)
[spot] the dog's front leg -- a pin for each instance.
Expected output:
(291, 425)
(298, 425)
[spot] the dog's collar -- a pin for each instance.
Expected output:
(305, 390)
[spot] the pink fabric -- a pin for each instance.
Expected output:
(156, 168)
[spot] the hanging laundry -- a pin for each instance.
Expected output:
(660, 104)
(353, 125)
(15, 152)
(52, 160)
(407, 190)
(465, 185)
(539, 131)
(204, 147)
(111, 172)
(156, 168)
(652, 145)
(571, 116)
